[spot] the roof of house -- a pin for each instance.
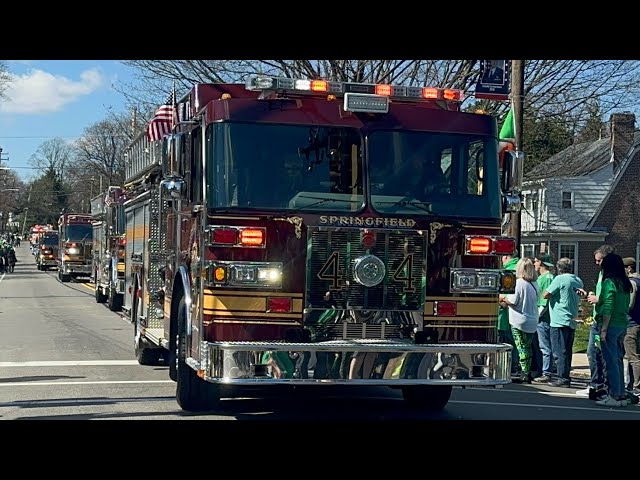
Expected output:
(574, 161)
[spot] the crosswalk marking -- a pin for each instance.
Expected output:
(69, 363)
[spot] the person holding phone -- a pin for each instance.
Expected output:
(563, 309)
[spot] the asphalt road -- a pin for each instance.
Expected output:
(63, 356)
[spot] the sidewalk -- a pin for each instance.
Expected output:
(580, 366)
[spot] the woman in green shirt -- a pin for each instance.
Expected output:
(611, 318)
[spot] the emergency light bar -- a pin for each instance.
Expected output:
(358, 97)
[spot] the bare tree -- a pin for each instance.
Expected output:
(10, 188)
(5, 79)
(100, 150)
(552, 87)
(53, 155)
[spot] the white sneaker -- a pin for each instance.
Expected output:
(611, 402)
(583, 393)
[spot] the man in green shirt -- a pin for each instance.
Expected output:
(544, 266)
(504, 328)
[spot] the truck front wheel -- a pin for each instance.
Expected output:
(193, 394)
(427, 397)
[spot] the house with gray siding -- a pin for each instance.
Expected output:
(585, 196)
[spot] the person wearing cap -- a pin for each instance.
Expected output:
(563, 297)
(631, 339)
(544, 264)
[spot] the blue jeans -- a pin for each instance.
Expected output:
(562, 344)
(596, 364)
(544, 340)
(613, 355)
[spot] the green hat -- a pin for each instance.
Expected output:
(545, 259)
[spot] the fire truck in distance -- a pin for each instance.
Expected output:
(46, 254)
(36, 232)
(300, 232)
(74, 246)
(108, 247)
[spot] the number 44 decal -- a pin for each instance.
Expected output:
(330, 272)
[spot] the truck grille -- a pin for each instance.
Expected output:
(330, 261)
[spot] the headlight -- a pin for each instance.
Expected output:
(246, 274)
(475, 280)
(73, 251)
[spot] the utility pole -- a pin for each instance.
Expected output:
(26, 212)
(517, 101)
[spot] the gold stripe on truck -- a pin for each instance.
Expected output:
(248, 303)
(470, 313)
(468, 309)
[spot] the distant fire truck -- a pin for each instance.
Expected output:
(74, 246)
(36, 232)
(299, 232)
(108, 247)
(46, 254)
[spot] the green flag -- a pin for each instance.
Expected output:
(508, 130)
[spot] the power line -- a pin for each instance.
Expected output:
(67, 136)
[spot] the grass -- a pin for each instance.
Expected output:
(581, 339)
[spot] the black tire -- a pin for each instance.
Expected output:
(192, 393)
(62, 277)
(145, 354)
(100, 297)
(427, 397)
(114, 301)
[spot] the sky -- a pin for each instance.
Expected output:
(55, 98)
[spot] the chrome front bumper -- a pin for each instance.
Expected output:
(364, 362)
(76, 268)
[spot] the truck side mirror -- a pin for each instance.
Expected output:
(512, 171)
(174, 187)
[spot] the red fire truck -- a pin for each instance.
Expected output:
(294, 231)
(108, 247)
(74, 246)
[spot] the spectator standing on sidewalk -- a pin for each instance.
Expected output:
(597, 385)
(632, 339)
(505, 335)
(563, 297)
(543, 265)
(523, 314)
(612, 321)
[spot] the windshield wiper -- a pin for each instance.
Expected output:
(322, 200)
(424, 206)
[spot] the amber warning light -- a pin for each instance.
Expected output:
(239, 236)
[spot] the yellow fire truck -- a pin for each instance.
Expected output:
(294, 231)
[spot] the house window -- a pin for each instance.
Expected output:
(528, 250)
(569, 250)
(567, 199)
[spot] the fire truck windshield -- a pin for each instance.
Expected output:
(78, 232)
(50, 240)
(286, 167)
(442, 174)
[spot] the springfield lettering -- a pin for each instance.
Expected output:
(366, 221)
